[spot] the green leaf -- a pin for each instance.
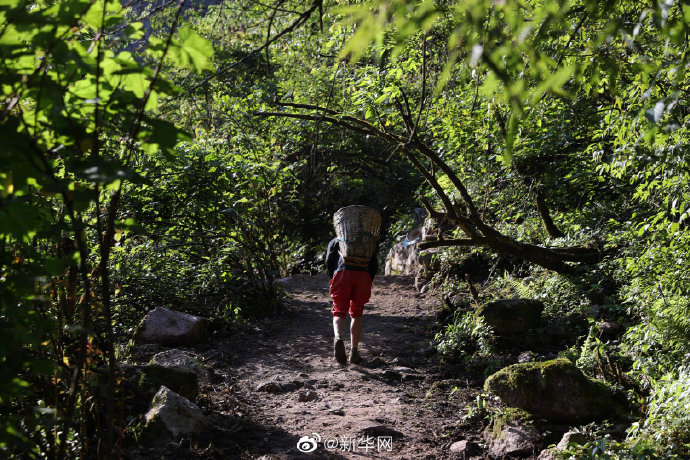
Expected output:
(135, 31)
(191, 51)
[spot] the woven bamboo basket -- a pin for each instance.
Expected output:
(357, 229)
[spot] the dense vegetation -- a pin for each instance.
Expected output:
(188, 157)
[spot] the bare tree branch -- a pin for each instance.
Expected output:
(444, 243)
(472, 225)
(315, 5)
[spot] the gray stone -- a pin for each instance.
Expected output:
(402, 373)
(184, 360)
(307, 396)
(555, 390)
(168, 327)
(148, 379)
(277, 387)
(173, 415)
(404, 370)
(513, 438)
(511, 316)
(391, 375)
(547, 454)
(571, 437)
(401, 260)
(465, 449)
(527, 356)
(269, 387)
(293, 385)
(421, 281)
(607, 330)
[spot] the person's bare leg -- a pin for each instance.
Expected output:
(338, 326)
(338, 346)
(355, 331)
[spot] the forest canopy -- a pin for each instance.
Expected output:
(188, 155)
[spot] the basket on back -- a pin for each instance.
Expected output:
(357, 228)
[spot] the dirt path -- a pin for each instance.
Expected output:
(290, 385)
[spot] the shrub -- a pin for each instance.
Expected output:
(467, 335)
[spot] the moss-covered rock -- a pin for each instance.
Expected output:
(511, 316)
(170, 416)
(148, 379)
(512, 434)
(184, 360)
(555, 390)
(509, 415)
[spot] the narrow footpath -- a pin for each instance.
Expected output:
(302, 404)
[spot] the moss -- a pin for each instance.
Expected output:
(514, 316)
(182, 382)
(555, 390)
(444, 387)
(509, 414)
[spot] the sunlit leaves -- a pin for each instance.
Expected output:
(161, 135)
(102, 13)
(74, 123)
(191, 51)
(532, 48)
(374, 21)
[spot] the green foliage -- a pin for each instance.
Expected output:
(466, 336)
(581, 101)
(667, 418)
(523, 52)
(559, 295)
(75, 114)
(207, 238)
(606, 448)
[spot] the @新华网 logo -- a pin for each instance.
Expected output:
(307, 444)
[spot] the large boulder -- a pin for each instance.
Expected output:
(402, 259)
(511, 316)
(184, 360)
(554, 390)
(168, 327)
(173, 415)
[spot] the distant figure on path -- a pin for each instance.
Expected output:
(350, 290)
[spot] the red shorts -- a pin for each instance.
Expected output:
(350, 289)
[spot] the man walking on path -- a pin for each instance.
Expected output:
(350, 290)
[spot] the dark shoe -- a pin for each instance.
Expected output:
(339, 348)
(354, 356)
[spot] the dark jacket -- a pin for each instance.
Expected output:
(335, 263)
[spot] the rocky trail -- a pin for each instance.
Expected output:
(279, 394)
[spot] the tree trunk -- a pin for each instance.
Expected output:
(546, 219)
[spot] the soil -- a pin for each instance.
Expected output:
(279, 382)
